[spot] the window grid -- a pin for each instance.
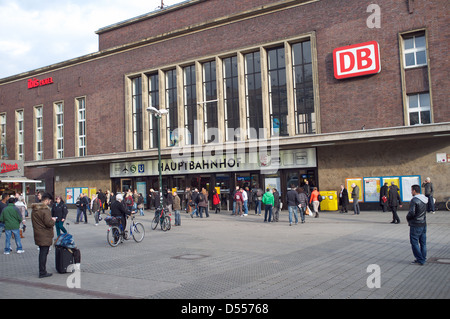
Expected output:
(39, 133)
(20, 135)
(59, 108)
(415, 51)
(172, 107)
(277, 91)
(81, 107)
(153, 100)
(3, 133)
(209, 94)
(190, 105)
(253, 94)
(137, 114)
(419, 109)
(303, 88)
(231, 97)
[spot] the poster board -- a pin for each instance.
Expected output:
(406, 183)
(141, 188)
(359, 182)
(69, 196)
(372, 187)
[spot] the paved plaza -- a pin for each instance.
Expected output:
(229, 257)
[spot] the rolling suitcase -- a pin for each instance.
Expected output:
(63, 258)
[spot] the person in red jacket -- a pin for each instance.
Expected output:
(216, 201)
(239, 199)
(315, 201)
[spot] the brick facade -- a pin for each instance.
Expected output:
(197, 29)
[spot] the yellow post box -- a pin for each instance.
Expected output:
(329, 201)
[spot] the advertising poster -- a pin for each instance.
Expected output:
(69, 196)
(141, 188)
(359, 182)
(372, 189)
(407, 182)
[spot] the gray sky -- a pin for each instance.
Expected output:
(38, 33)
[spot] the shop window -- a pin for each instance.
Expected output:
(277, 91)
(419, 109)
(253, 95)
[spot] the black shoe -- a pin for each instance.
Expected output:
(48, 274)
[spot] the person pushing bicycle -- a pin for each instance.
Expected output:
(118, 210)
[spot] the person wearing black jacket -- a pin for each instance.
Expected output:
(417, 221)
(119, 210)
(394, 201)
(292, 202)
(59, 210)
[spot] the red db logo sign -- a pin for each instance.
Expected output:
(357, 60)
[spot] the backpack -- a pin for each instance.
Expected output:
(65, 240)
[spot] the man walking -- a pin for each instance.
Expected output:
(417, 221)
(11, 218)
(394, 202)
(292, 202)
(429, 191)
(355, 196)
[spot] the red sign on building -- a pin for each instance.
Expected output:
(34, 83)
(357, 60)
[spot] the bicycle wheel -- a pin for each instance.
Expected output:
(165, 226)
(113, 236)
(155, 222)
(447, 204)
(138, 232)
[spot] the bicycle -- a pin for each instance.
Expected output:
(162, 217)
(116, 234)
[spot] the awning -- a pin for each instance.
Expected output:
(19, 180)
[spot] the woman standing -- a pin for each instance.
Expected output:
(59, 210)
(315, 201)
(216, 201)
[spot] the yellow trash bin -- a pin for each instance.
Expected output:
(329, 201)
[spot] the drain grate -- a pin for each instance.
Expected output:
(190, 257)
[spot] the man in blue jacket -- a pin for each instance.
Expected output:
(417, 221)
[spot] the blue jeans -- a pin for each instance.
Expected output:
(418, 240)
(8, 234)
(293, 210)
(268, 209)
(177, 218)
(258, 207)
(245, 207)
(430, 205)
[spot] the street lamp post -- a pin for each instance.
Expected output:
(158, 114)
